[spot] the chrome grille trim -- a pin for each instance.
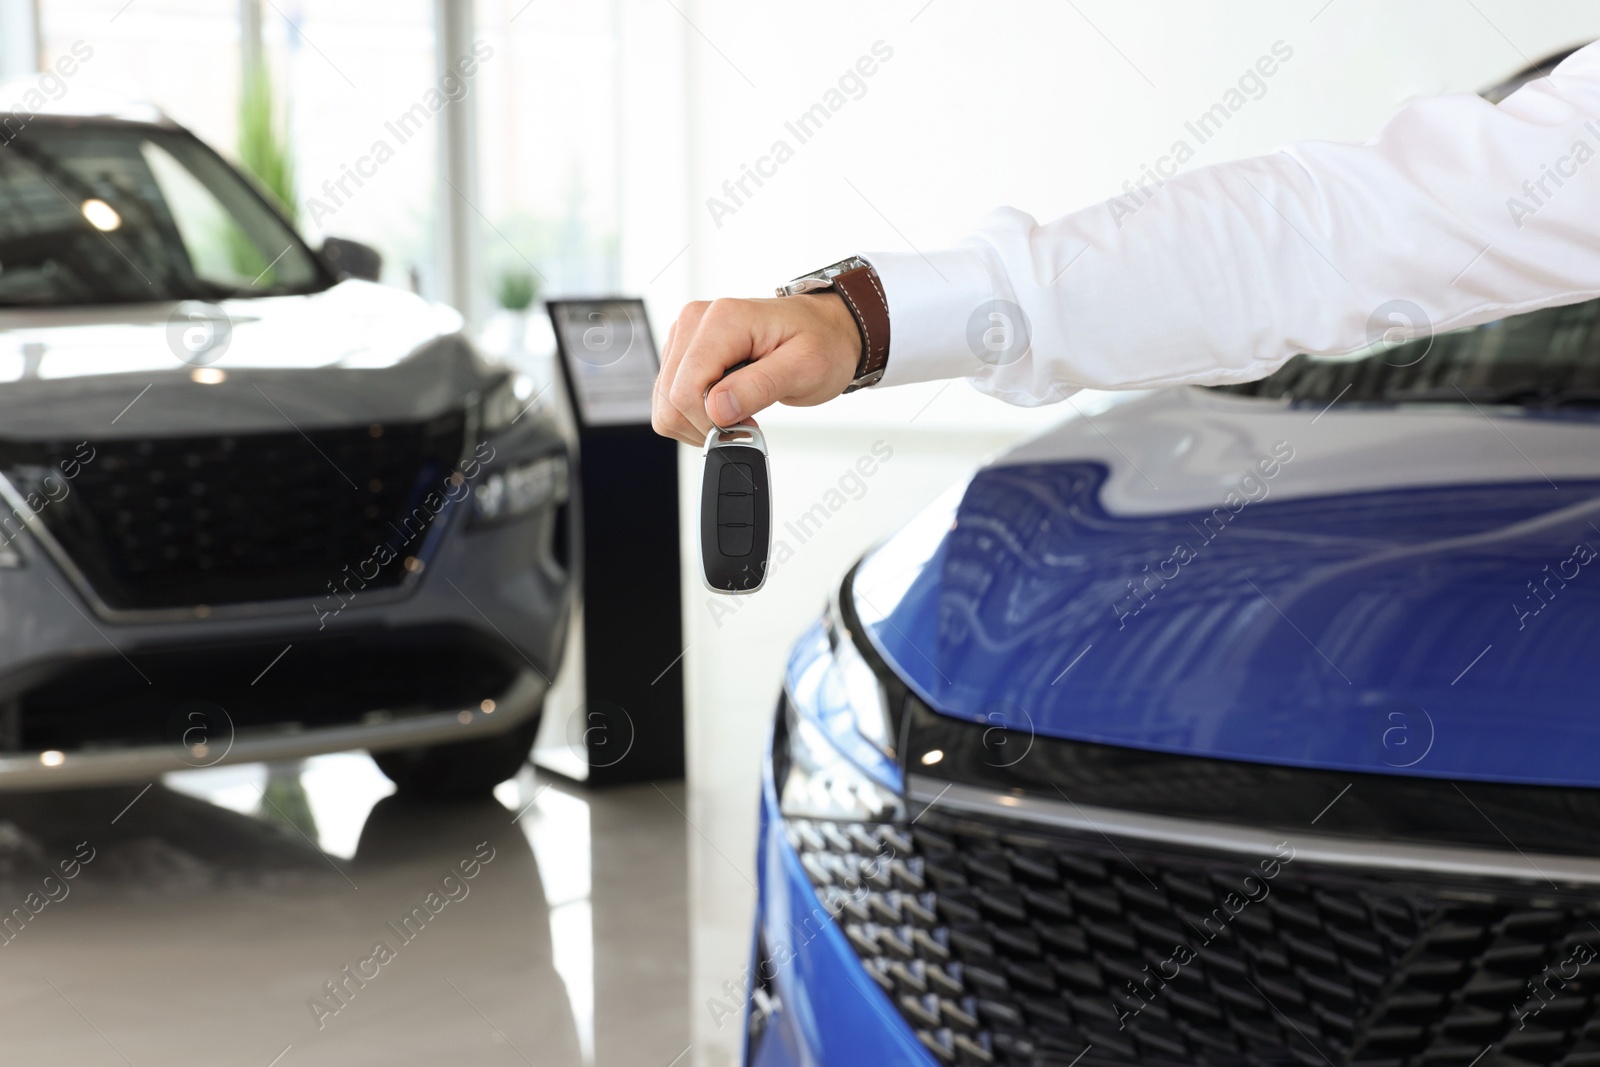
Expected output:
(924, 792)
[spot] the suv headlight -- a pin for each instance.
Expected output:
(519, 490)
(506, 402)
(838, 763)
(822, 784)
(850, 686)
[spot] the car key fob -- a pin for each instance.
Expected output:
(735, 511)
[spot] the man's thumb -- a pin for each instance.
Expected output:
(742, 393)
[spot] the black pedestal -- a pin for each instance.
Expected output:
(630, 725)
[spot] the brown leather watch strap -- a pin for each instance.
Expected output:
(863, 295)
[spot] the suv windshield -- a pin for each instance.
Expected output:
(109, 213)
(1548, 358)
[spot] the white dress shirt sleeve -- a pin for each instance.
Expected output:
(1459, 208)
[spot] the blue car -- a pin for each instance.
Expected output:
(1238, 726)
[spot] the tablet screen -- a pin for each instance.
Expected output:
(610, 359)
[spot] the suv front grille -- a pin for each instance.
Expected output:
(1004, 943)
(183, 521)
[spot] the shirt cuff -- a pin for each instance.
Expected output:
(933, 301)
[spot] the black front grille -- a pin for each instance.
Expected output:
(1004, 944)
(181, 521)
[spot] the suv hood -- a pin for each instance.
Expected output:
(1400, 590)
(354, 353)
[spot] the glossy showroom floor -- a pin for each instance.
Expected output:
(219, 902)
(207, 918)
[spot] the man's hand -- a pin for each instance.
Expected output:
(804, 350)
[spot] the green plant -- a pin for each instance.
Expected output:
(264, 154)
(263, 142)
(284, 800)
(516, 289)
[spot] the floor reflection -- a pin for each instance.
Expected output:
(237, 914)
(327, 798)
(558, 828)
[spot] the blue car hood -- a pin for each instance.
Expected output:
(1407, 591)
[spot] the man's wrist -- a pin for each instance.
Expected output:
(856, 283)
(838, 336)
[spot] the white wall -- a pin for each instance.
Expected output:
(1046, 106)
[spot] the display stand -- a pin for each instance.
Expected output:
(628, 725)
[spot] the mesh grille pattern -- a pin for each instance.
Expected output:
(1000, 944)
(170, 522)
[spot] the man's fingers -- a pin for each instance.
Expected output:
(665, 419)
(801, 350)
(664, 415)
(668, 352)
(678, 336)
(660, 406)
(748, 390)
(722, 339)
(669, 422)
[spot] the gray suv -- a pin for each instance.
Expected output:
(253, 505)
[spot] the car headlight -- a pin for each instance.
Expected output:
(822, 784)
(838, 761)
(518, 490)
(851, 683)
(506, 401)
(20, 488)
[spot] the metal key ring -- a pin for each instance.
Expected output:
(750, 431)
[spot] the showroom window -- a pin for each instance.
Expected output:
(355, 90)
(339, 70)
(149, 54)
(548, 154)
(365, 167)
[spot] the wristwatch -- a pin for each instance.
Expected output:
(857, 284)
